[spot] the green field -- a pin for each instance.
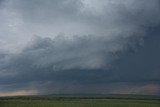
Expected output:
(77, 102)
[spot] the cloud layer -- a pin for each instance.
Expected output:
(77, 41)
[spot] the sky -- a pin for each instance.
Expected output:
(79, 46)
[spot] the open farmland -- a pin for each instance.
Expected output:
(48, 101)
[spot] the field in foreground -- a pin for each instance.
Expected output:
(77, 102)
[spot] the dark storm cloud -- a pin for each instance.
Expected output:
(37, 64)
(45, 56)
(99, 45)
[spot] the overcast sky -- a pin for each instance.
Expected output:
(79, 46)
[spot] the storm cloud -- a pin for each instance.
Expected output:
(80, 44)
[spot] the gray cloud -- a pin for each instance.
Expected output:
(48, 18)
(47, 63)
(92, 38)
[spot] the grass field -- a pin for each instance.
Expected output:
(77, 102)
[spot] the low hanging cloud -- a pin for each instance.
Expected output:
(87, 52)
(74, 38)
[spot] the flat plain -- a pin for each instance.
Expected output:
(64, 101)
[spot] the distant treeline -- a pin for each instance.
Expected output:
(82, 96)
